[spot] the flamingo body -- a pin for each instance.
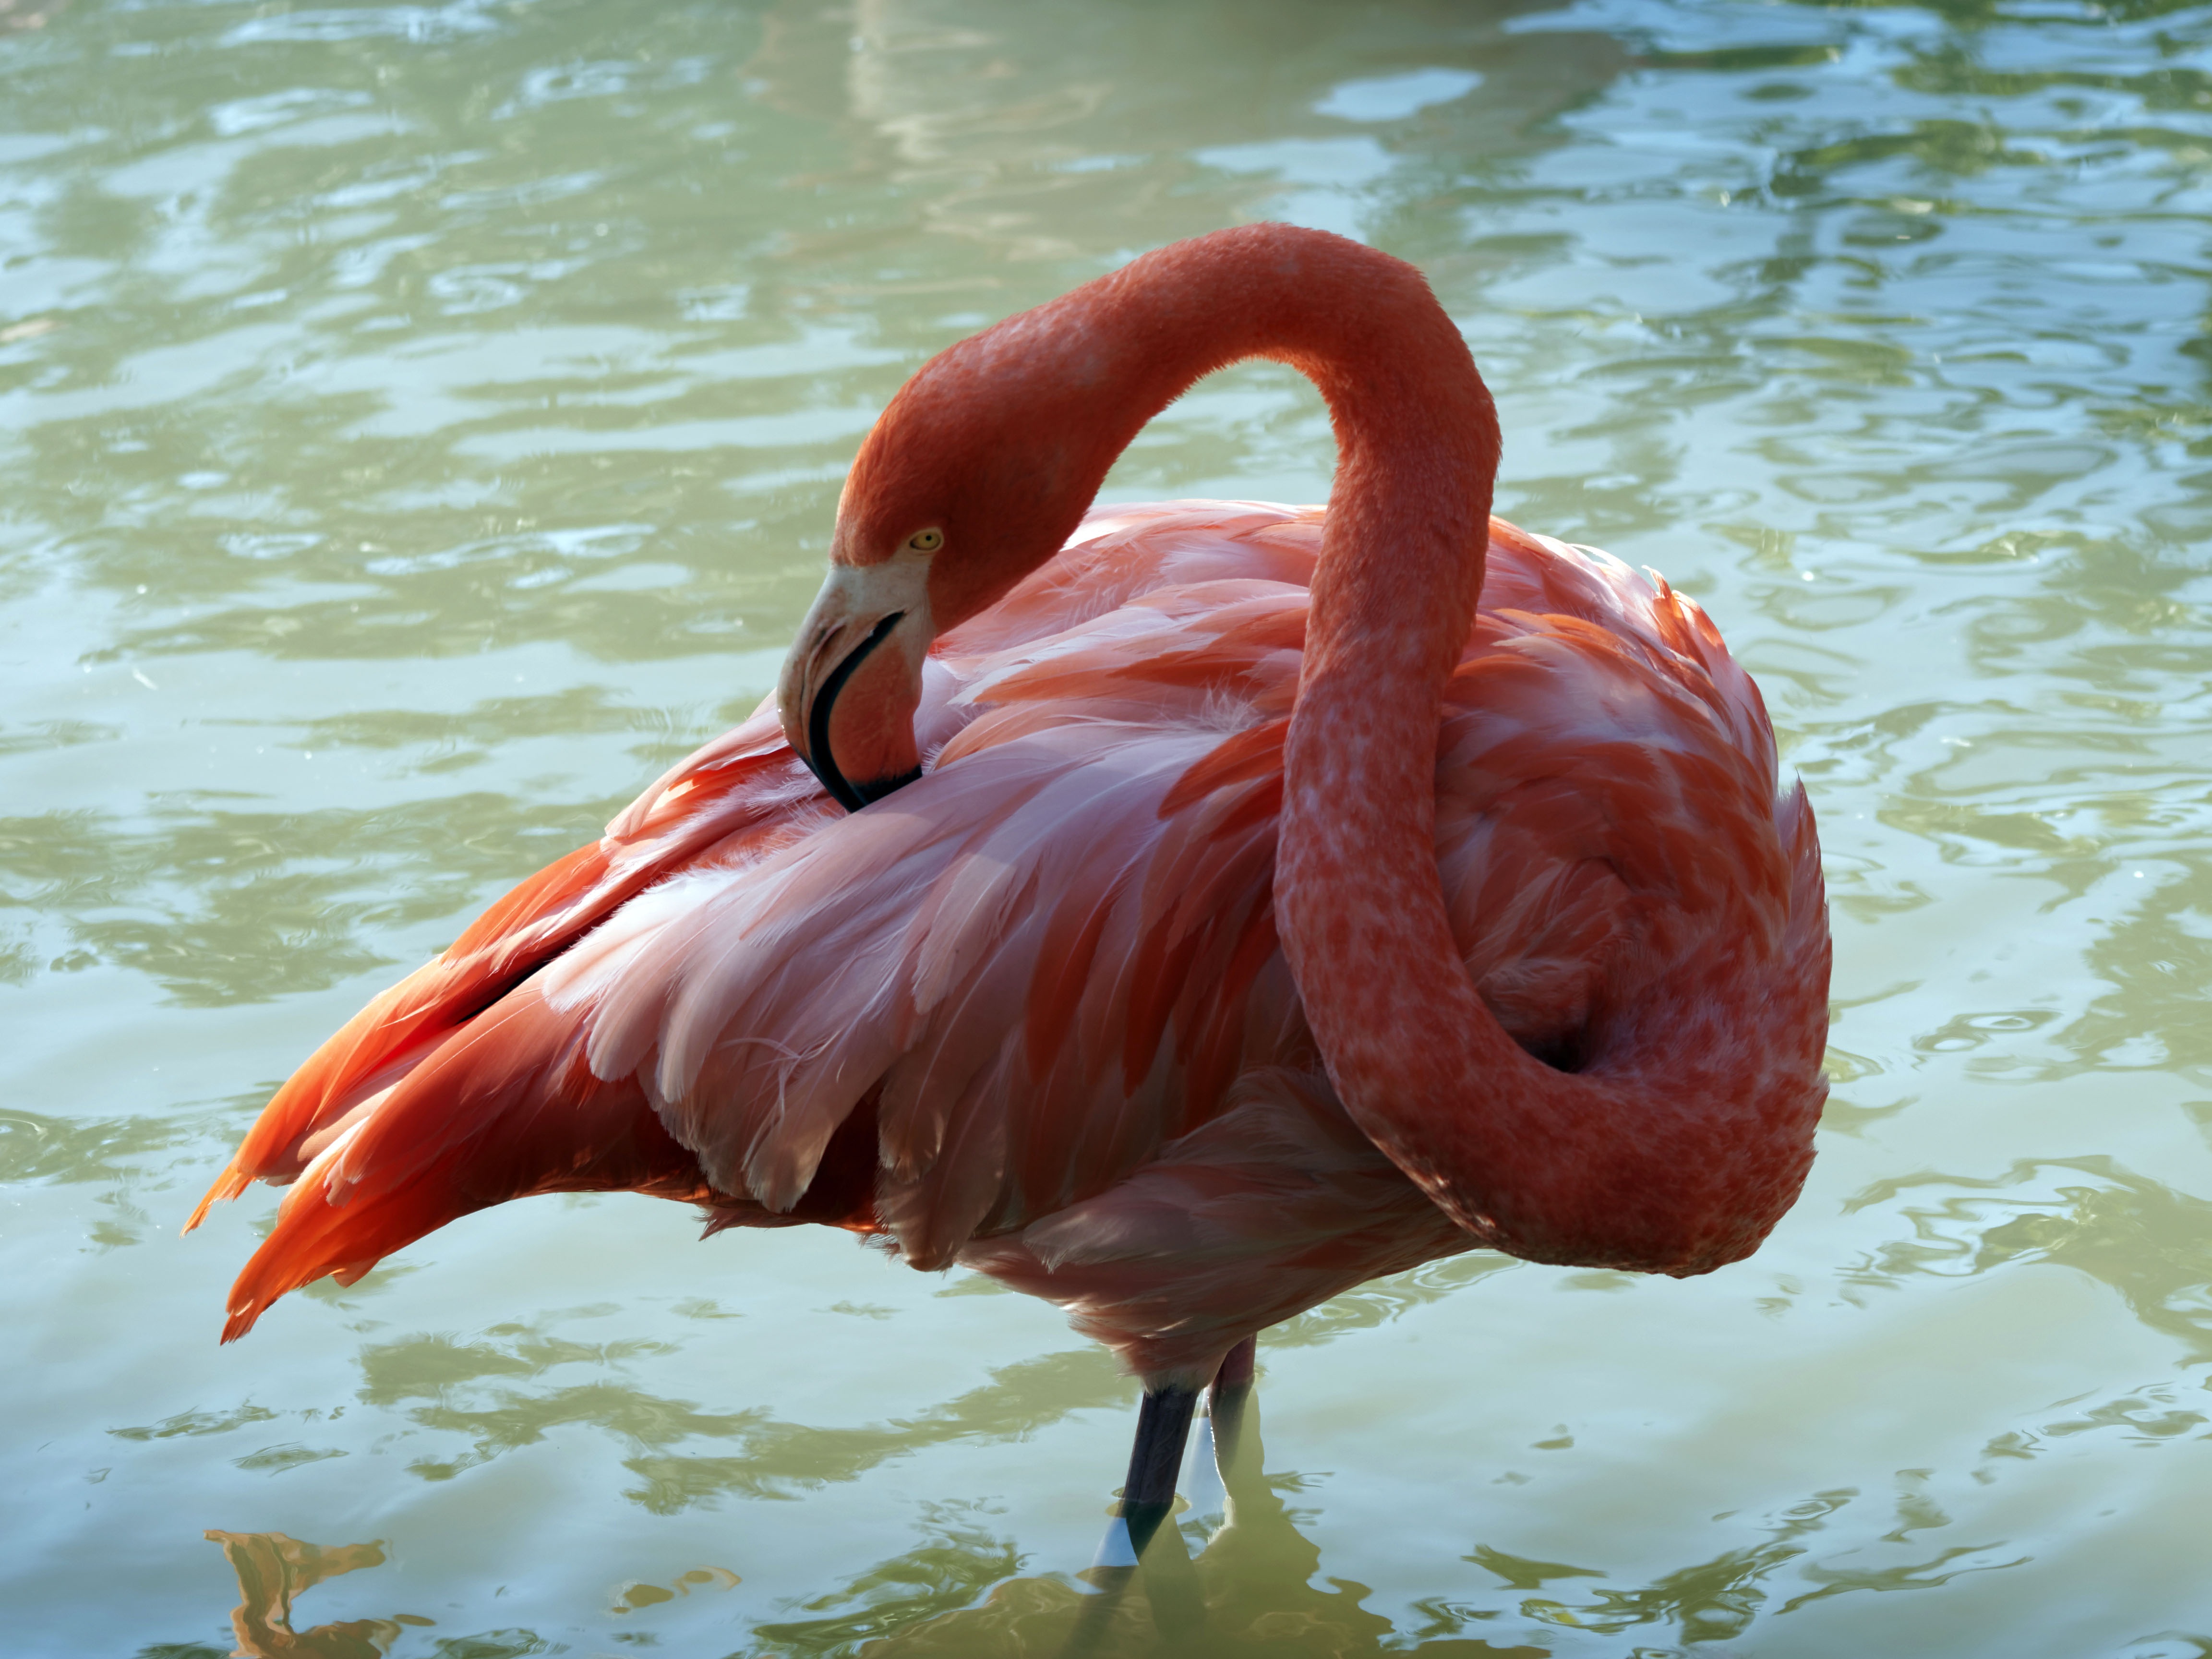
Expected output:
(1031, 1014)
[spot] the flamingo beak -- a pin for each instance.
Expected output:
(852, 681)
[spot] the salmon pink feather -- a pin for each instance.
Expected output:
(1289, 896)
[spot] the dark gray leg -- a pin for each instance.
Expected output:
(1155, 1461)
(1156, 1458)
(1147, 1500)
(1148, 1497)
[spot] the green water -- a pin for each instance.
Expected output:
(420, 423)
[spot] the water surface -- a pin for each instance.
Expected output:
(421, 423)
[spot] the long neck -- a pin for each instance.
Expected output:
(1549, 1165)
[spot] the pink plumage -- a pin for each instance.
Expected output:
(1229, 908)
(1030, 1014)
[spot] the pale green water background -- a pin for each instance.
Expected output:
(419, 423)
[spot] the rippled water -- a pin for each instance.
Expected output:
(420, 423)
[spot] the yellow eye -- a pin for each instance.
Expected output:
(925, 541)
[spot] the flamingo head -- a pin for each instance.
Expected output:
(975, 475)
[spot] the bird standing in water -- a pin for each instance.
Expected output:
(1182, 913)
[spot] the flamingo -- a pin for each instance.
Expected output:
(1182, 913)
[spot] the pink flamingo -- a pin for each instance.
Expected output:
(1267, 918)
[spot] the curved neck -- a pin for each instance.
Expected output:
(1623, 1170)
(1416, 434)
(1402, 548)
(1359, 902)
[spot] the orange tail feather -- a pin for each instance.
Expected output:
(502, 1108)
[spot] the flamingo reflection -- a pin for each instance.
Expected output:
(273, 1568)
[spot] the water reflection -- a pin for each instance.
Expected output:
(125, 1157)
(1036, 130)
(771, 1457)
(221, 903)
(29, 13)
(511, 1385)
(1246, 1581)
(2148, 1243)
(1240, 1579)
(271, 1570)
(36, 1146)
(1245, 1585)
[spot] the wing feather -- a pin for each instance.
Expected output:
(1014, 983)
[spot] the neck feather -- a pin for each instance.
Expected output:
(1583, 1169)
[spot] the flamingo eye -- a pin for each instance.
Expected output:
(925, 541)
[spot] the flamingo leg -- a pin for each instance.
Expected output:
(1225, 1408)
(1156, 1457)
(1155, 1461)
(1148, 1497)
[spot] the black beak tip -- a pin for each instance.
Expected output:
(853, 796)
(877, 789)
